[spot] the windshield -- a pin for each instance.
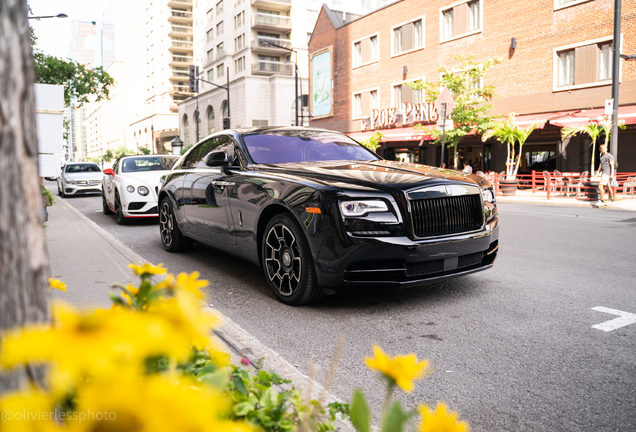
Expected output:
(304, 146)
(148, 164)
(85, 167)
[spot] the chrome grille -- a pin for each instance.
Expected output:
(446, 215)
(87, 182)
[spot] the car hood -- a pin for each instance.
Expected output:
(373, 174)
(148, 178)
(84, 175)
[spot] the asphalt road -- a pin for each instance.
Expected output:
(513, 348)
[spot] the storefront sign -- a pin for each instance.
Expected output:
(411, 113)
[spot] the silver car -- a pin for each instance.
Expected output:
(80, 178)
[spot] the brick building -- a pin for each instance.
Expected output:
(555, 68)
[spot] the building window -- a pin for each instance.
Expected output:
(219, 29)
(308, 37)
(365, 51)
(408, 37)
(211, 75)
(239, 65)
(357, 53)
(374, 48)
(186, 130)
(364, 102)
(210, 35)
(462, 19)
(402, 94)
(210, 116)
(239, 42)
(237, 2)
(211, 54)
(239, 20)
(220, 50)
(219, 8)
(210, 15)
(220, 71)
(312, 15)
(586, 64)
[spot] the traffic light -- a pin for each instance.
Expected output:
(193, 84)
(226, 123)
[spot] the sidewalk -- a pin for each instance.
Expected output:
(540, 198)
(89, 260)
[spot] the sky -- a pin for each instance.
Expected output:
(54, 34)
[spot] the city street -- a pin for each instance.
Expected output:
(513, 348)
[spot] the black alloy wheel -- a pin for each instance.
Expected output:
(119, 211)
(288, 264)
(107, 210)
(172, 239)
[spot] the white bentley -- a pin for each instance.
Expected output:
(130, 188)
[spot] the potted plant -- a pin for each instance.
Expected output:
(509, 133)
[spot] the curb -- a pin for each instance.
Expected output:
(236, 338)
(564, 203)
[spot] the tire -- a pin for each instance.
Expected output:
(288, 264)
(60, 192)
(107, 210)
(172, 239)
(119, 211)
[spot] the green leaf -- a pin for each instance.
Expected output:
(238, 383)
(216, 379)
(243, 408)
(269, 399)
(395, 418)
(360, 414)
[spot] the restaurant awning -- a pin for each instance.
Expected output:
(397, 134)
(626, 115)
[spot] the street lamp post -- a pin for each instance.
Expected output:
(60, 15)
(616, 58)
(177, 145)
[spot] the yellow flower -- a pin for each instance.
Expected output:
(29, 410)
(147, 269)
(403, 370)
(440, 420)
(187, 282)
(132, 289)
(57, 284)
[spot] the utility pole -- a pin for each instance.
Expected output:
(616, 59)
(194, 88)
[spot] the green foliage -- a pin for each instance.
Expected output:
(594, 131)
(255, 399)
(123, 151)
(144, 150)
(509, 133)
(463, 81)
(81, 84)
(373, 142)
(49, 194)
(108, 156)
(360, 413)
(95, 159)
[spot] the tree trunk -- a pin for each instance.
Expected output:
(24, 261)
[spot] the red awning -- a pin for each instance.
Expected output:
(626, 115)
(397, 134)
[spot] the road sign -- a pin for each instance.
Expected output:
(609, 106)
(444, 98)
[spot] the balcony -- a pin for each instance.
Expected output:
(178, 30)
(180, 3)
(181, 89)
(181, 46)
(267, 67)
(180, 16)
(266, 44)
(262, 21)
(219, 54)
(181, 60)
(279, 5)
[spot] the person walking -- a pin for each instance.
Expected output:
(468, 169)
(607, 171)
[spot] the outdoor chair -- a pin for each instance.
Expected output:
(554, 183)
(629, 186)
(581, 184)
(559, 182)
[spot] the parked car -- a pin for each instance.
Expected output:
(79, 178)
(130, 187)
(320, 212)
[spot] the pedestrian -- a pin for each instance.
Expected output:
(607, 172)
(467, 168)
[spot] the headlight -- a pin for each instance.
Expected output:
(489, 195)
(359, 208)
(69, 181)
(130, 189)
(143, 190)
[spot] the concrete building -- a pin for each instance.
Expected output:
(258, 47)
(555, 69)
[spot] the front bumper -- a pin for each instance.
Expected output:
(399, 261)
(74, 189)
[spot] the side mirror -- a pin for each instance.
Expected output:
(217, 159)
(109, 171)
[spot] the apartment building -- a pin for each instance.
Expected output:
(555, 69)
(257, 48)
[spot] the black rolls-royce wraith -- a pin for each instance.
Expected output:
(320, 212)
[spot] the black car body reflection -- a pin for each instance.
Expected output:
(319, 212)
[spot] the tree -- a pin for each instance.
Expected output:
(509, 133)
(464, 82)
(594, 131)
(24, 262)
(108, 156)
(144, 150)
(373, 142)
(123, 151)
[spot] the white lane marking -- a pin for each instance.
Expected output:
(624, 319)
